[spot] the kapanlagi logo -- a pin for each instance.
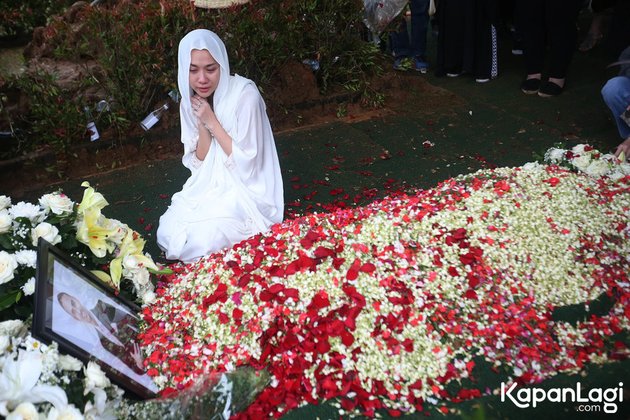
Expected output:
(531, 397)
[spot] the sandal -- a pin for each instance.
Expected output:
(590, 42)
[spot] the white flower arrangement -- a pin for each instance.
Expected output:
(79, 229)
(34, 378)
(586, 159)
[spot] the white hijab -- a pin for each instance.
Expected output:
(226, 94)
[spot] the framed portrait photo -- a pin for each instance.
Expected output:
(88, 321)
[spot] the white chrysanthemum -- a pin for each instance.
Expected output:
(29, 287)
(27, 257)
(531, 166)
(141, 277)
(12, 327)
(27, 210)
(148, 297)
(34, 345)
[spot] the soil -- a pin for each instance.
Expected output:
(295, 104)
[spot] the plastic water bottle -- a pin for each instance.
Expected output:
(91, 125)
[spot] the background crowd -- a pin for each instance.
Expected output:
(544, 32)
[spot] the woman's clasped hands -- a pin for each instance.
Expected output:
(202, 110)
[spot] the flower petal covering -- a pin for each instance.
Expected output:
(385, 306)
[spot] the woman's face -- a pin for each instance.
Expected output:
(204, 73)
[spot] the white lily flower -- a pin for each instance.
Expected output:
(18, 383)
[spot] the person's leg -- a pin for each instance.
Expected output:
(561, 19)
(529, 19)
(400, 40)
(531, 25)
(451, 37)
(399, 44)
(419, 26)
(486, 18)
(616, 95)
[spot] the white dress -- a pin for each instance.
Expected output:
(226, 198)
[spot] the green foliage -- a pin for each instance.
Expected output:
(19, 18)
(55, 116)
(134, 45)
(137, 50)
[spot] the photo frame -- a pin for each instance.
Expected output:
(87, 320)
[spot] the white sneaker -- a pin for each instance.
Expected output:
(453, 74)
(482, 80)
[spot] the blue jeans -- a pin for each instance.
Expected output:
(616, 94)
(415, 46)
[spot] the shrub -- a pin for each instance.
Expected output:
(19, 18)
(134, 46)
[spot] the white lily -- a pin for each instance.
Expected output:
(18, 383)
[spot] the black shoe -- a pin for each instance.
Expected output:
(530, 86)
(549, 89)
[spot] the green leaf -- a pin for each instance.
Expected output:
(164, 270)
(5, 242)
(10, 299)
